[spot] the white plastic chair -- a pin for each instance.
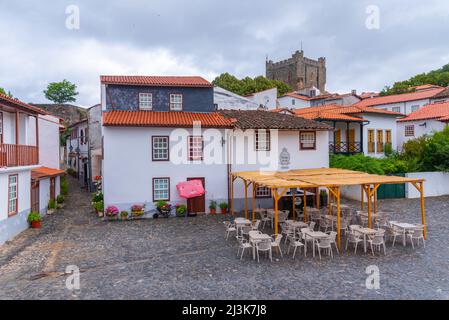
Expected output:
(264, 246)
(312, 225)
(297, 244)
(325, 243)
(256, 225)
(276, 243)
(264, 218)
(243, 245)
(354, 237)
(377, 241)
(333, 238)
(417, 234)
(230, 227)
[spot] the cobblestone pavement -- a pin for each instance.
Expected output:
(189, 259)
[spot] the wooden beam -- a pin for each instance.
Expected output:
(253, 202)
(368, 194)
(246, 198)
(274, 191)
(293, 206)
(362, 197)
(17, 137)
(232, 194)
(338, 218)
(306, 218)
(420, 187)
(37, 136)
(317, 195)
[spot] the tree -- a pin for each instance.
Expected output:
(438, 77)
(249, 85)
(61, 92)
(3, 91)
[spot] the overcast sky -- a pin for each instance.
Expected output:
(208, 37)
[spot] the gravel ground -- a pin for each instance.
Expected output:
(189, 259)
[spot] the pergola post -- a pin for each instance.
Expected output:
(253, 202)
(232, 194)
(276, 197)
(293, 205)
(329, 202)
(420, 187)
(336, 192)
(362, 197)
(306, 218)
(246, 198)
(368, 195)
(317, 198)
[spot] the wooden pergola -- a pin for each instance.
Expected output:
(330, 178)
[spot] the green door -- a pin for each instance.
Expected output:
(392, 191)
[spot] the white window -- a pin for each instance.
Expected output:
(410, 130)
(293, 102)
(13, 194)
(262, 192)
(307, 140)
(161, 189)
(145, 101)
(415, 108)
(195, 148)
(160, 149)
(262, 140)
(396, 109)
(176, 102)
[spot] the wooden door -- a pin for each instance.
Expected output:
(198, 204)
(371, 141)
(35, 196)
(380, 141)
(337, 141)
(52, 189)
(351, 141)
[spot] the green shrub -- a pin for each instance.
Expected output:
(64, 186)
(213, 205)
(360, 162)
(97, 197)
(99, 206)
(161, 203)
(223, 205)
(52, 204)
(181, 209)
(60, 199)
(34, 217)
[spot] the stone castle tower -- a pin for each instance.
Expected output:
(299, 72)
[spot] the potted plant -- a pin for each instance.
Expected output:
(163, 208)
(60, 201)
(181, 210)
(213, 207)
(51, 206)
(137, 210)
(34, 218)
(99, 208)
(124, 215)
(323, 198)
(224, 207)
(112, 212)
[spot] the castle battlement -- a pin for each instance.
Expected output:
(298, 71)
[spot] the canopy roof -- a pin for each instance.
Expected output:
(313, 178)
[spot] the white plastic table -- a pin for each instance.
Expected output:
(256, 236)
(405, 227)
(365, 232)
(315, 235)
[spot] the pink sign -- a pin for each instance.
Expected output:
(191, 189)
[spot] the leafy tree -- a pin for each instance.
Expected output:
(438, 77)
(249, 85)
(436, 152)
(3, 91)
(61, 92)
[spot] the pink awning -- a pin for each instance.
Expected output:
(191, 189)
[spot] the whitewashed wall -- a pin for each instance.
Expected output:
(11, 226)
(430, 127)
(381, 122)
(266, 98)
(406, 106)
(287, 102)
(435, 184)
(49, 141)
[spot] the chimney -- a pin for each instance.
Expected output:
(354, 92)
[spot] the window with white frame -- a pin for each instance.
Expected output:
(160, 148)
(396, 109)
(415, 108)
(176, 102)
(262, 142)
(161, 189)
(410, 130)
(13, 194)
(196, 148)
(307, 140)
(145, 101)
(262, 192)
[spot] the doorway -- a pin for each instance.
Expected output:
(35, 196)
(198, 204)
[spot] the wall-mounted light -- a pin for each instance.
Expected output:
(423, 125)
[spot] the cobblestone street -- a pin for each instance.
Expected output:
(189, 259)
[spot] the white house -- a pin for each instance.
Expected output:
(266, 99)
(294, 100)
(29, 163)
(77, 151)
(404, 103)
(425, 121)
(227, 100)
(356, 129)
(161, 131)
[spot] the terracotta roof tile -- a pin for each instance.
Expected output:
(159, 81)
(21, 104)
(44, 172)
(163, 119)
(399, 98)
(255, 119)
(438, 111)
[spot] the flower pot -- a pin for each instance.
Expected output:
(213, 211)
(51, 211)
(35, 224)
(224, 211)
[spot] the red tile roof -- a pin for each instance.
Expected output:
(159, 81)
(44, 172)
(338, 112)
(426, 87)
(164, 119)
(437, 111)
(399, 98)
(296, 96)
(21, 104)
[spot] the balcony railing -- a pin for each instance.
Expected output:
(345, 147)
(16, 155)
